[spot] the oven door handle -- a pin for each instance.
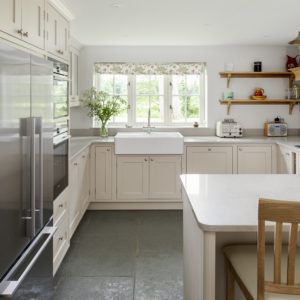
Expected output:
(7, 286)
(67, 137)
(60, 77)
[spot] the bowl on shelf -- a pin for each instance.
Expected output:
(258, 97)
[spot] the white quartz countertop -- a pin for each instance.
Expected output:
(78, 144)
(230, 202)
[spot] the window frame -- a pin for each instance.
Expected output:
(167, 97)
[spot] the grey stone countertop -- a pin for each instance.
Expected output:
(78, 144)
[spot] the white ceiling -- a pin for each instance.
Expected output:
(185, 22)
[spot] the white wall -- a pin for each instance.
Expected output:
(273, 58)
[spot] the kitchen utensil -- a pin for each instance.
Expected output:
(259, 92)
(257, 67)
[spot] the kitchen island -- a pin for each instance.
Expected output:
(219, 210)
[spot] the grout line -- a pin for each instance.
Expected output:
(137, 252)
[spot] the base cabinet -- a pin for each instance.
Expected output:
(254, 160)
(287, 161)
(209, 160)
(79, 189)
(148, 177)
(103, 172)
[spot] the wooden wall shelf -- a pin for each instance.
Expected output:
(230, 75)
(290, 102)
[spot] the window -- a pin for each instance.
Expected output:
(174, 97)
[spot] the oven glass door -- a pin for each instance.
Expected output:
(60, 97)
(61, 159)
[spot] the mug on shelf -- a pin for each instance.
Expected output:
(228, 95)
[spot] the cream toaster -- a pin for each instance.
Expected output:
(229, 128)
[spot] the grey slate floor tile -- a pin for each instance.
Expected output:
(133, 255)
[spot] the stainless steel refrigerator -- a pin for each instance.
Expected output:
(26, 175)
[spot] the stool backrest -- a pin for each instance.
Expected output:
(279, 212)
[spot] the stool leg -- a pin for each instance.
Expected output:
(229, 283)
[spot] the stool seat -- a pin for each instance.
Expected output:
(243, 259)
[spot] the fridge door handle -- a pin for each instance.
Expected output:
(32, 176)
(39, 131)
(7, 286)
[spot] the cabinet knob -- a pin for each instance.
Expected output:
(151, 159)
(60, 205)
(61, 238)
(145, 159)
(209, 149)
(76, 164)
(20, 31)
(25, 33)
(240, 149)
(108, 149)
(83, 156)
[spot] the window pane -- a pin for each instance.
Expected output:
(156, 85)
(107, 83)
(178, 112)
(192, 107)
(122, 117)
(120, 84)
(142, 84)
(142, 107)
(178, 84)
(192, 84)
(157, 111)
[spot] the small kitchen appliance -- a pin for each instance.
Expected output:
(276, 129)
(229, 128)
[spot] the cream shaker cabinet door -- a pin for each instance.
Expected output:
(33, 23)
(164, 181)
(63, 37)
(10, 17)
(52, 40)
(254, 160)
(74, 200)
(209, 160)
(84, 179)
(132, 177)
(103, 170)
(287, 161)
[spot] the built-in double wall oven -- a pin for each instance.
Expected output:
(60, 89)
(61, 157)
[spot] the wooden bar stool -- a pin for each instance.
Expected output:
(266, 272)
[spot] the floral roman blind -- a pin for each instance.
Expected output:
(150, 69)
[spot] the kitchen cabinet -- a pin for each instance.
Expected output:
(74, 200)
(74, 93)
(103, 172)
(287, 161)
(254, 160)
(57, 33)
(80, 189)
(24, 19)
(10, 17)
(132, 177)
(61, 241)
(164, 181)
(148, 177)
(84, 180)
(209, 160)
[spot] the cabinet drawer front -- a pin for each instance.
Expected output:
(60, 205)
(60, 237)
(209, 160)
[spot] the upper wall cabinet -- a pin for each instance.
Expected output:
(24, 19)
(57, 33)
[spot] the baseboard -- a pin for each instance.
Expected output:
(135, 206)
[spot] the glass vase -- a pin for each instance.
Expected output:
(104, 130)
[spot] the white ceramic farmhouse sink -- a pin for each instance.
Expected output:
(149, 143)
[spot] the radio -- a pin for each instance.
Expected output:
(276, 129)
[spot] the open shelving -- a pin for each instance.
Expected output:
(290, 102)
(229, 75)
